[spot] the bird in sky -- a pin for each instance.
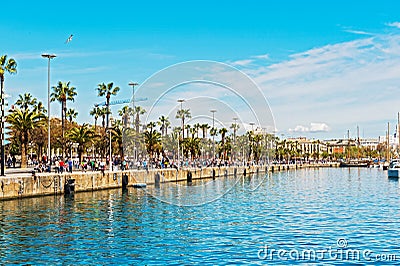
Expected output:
(69, 39)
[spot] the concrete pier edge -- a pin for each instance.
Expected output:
(42, 184)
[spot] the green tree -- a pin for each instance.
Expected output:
(152, 140)
(107, 90)
(63, 93)
(96, 112)
(125, 113)
(182, 114)
(138, 112)
(83, 135)
(204, 128)
(71, 114)
(22, 122)
(6, 66)
(25, 101)
(163, 122)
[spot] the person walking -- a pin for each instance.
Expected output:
(70, 163)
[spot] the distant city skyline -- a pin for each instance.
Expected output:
(324, 67)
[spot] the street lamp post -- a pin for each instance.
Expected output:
(183, 132)
(234, 138)
(110, 155)
(49, 57)
(213, 112)
(133, 84)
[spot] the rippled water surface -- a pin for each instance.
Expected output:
(318, 211)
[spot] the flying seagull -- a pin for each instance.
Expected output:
(69, 39)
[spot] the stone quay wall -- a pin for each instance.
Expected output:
(41, 184)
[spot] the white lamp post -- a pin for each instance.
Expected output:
(49, 57)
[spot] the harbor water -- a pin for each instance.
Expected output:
(328, 216)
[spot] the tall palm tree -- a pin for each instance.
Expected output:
(214, 132)
(204, 128)
(6, 66)
(22, 122)
(83, 135)
(63, 93)
(117, 136)
(138, 112)
(197, 127)
(223, 132)
(188, 128)
(152, 140)
(182, 114)
(96, 113)
(103, 112)
(107, 90)
(71, 114)
(25, 101)
(125, 113)
(163, 122)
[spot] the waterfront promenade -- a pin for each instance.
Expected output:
(16, 184)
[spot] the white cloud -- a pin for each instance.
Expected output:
(358, 32)
(394, 24)
(343, 84)
(263, 56)
(313, 128)
(243, 62)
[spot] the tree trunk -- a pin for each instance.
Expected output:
(62, 127)
(108, 107)
(24, 143)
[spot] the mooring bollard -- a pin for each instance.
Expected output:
(69, 187)
(125, 181)
(189, 177)
(157, 179)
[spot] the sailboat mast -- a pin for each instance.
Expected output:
(398, 132)
(388, 143)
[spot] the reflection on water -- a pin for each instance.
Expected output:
(308, 208)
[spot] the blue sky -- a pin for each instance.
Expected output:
(324, 66)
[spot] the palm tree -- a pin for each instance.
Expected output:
(152, 140)
(22, 122)
(117, 137)
(125, 113)
(197, 128)
(223, 132)
(204, 128)
(164, 123)
(138, 111)
(63, 93)
(9, 66)
(107, 90)
(188, 128)
(96, 113)
(182, 114)
(71, 114)
(39, 108)
(214, 132)
(25, 101)
(103, 112)
(83, 135)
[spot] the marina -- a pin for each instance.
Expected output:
(306, 209)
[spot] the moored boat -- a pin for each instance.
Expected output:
(394, 168)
